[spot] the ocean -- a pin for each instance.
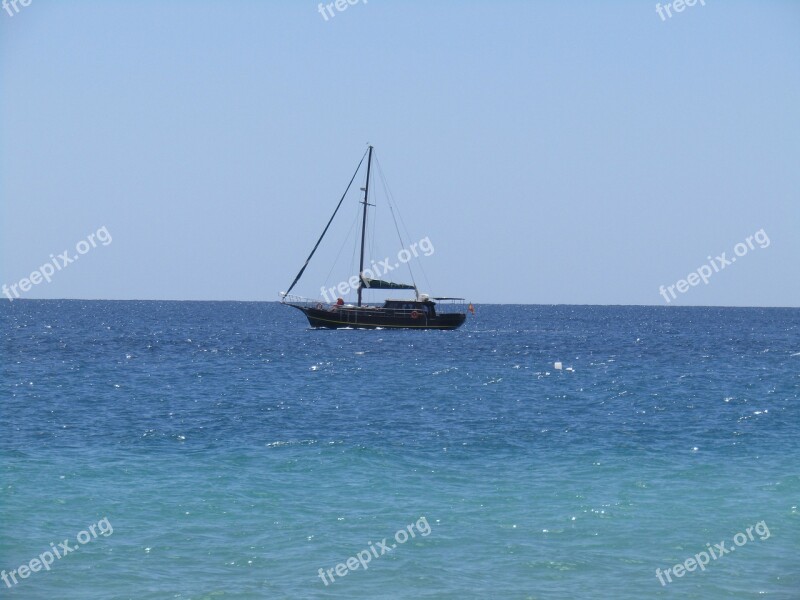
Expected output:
(225, 450)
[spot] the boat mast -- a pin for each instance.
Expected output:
(364, 229)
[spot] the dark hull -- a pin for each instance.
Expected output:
(371, 318)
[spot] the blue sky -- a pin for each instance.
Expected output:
(553, 152)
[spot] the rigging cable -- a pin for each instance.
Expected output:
(336, 260)
(324, 231)
(389, 198)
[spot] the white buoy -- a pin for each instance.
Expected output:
(557, 366)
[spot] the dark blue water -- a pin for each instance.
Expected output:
(236, 452)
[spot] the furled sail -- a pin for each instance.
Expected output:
(380, 284)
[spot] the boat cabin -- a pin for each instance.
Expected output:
(427, 307)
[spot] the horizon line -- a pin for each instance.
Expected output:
(466, 302)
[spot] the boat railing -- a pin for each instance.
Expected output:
(443, 306)
(299, 300)
(450, 305)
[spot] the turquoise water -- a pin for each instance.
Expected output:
(236, 453)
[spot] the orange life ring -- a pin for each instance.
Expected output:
(415, 314)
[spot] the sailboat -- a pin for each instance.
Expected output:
(419, 312)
